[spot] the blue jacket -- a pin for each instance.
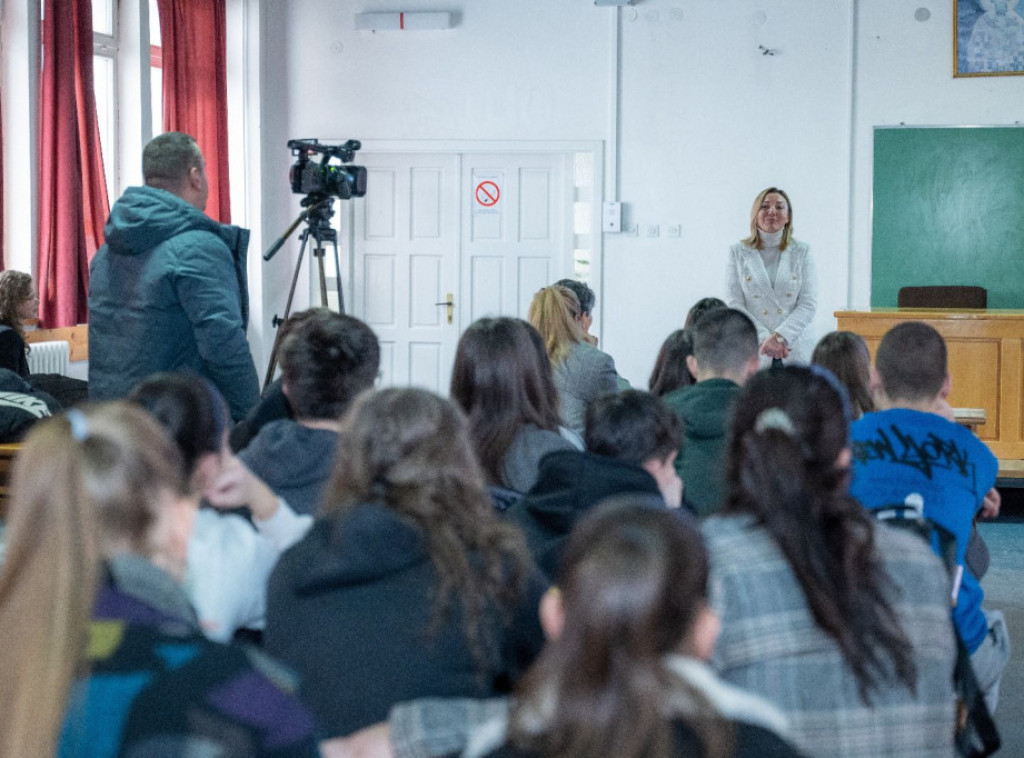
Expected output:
(898, 452)
(168, 292)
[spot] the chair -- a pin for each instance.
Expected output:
(942, 297)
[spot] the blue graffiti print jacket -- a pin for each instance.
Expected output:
(898, 452)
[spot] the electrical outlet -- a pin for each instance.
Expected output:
(674, 230)
(653, 230)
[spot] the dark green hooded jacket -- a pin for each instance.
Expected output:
(705, 412)
(167, 292)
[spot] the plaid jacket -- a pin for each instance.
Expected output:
(771, 645)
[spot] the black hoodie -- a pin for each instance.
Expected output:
(569, 484)
(350, 607)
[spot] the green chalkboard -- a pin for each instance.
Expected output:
(948, 208)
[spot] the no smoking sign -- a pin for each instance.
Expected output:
(487, 194)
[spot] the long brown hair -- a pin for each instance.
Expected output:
(411, 451)
(670, 371)
(76, 492)
(789, 428)
(502, 381)
(846, 355)
(633, 582)
(553, 313)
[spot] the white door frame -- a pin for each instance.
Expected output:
(594, 147)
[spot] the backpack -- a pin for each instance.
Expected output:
(976, 732)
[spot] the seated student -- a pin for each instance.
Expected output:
(582, 372)
(326, 360)
(20, 303)
(625, 672)
(586, 298)
(670, 372)
(633, 590)
(273, 404)
(98, 527)
(846, 355)
(906, 447)
(841, 622)
(585, 318)
(670, 369)
(408, 585)
(724, 357)
(502, 381)
(229, 562)
(631, 440)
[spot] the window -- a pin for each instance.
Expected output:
(156, 74)
(104, 63)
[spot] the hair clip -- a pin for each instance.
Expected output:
(79, 425)
(775, 418)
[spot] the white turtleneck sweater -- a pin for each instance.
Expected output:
(770, 252)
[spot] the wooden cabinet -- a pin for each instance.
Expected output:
(986, 362)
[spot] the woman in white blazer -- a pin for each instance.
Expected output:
(771, 278)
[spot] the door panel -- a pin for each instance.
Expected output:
(490, 229)
(518, 232)
(406, 237)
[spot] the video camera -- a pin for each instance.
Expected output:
(326, 178)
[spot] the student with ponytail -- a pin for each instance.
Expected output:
(840, 621)
(624, 674)
(102, 653)
(581, 371)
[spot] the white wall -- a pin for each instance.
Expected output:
(705, 120)
(904, 75)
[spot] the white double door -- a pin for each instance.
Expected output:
(441, 240)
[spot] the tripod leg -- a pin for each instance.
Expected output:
(337, 281)
(323, 273)
(272, 367)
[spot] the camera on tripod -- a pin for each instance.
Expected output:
(325, 178)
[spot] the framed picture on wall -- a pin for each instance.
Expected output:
(988, 38)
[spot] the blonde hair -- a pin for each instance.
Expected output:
(754, 240)
(82, 483)
(553, 313)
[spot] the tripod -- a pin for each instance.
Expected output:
(317, 213)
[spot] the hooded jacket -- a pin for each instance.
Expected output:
(569, 484)
(168, 292)
(351, 607)
(705, 410)
(294, 460)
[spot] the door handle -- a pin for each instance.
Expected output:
(450, 302)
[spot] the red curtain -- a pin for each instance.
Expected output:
(3, 264)
(194, 41)
(73, 203)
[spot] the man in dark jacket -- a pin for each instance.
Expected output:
(724, 357)
(631, 441)
(168, 292)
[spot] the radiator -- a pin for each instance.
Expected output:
(49, 357)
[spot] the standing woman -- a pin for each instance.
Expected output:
(582, 372)
(772, 278)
